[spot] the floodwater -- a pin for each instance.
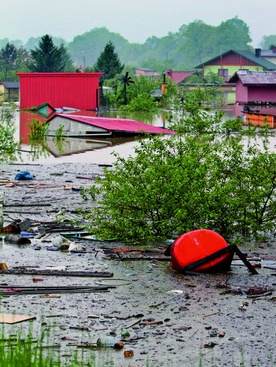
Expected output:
(164, 318)
(75, 150)
(80, 150)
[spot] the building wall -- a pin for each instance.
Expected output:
(270, 59)
(76, 90)
(245, 94)
(262, 94)
(241, 93)
(231, 69)
(139, 72)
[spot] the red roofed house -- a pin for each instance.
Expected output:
(178, 76)
(62, 89)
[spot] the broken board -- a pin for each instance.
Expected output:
(6, 318)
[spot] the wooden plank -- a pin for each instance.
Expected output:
(6, 318)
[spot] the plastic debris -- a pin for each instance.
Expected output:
(24, 175)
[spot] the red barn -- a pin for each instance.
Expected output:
(74, 90)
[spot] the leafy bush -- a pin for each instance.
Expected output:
(9, 148)
(143, 102)
(210, 174)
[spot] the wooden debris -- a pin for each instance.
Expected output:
(64, 273)
(3, 266)
(9, 291)
(13, 319)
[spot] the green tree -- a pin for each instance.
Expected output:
(210, 174)
(196, 42)
(90, 45)
(46, 57)
(66, 59)
(8, 58)
(108, 62)
(9, 148)
(12, 60)
(231, 34)
(267, 41)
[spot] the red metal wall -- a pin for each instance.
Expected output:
(76, 90)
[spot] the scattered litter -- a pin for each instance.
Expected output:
(73, 247)
(175, 291)
(209, 345)
(9, 184)
(3, 266)
(17, 226)
(38, 279)
(17, 239)
(128, 353)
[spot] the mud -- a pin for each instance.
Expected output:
(164, 318)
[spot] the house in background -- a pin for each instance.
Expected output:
(231, 61)
(179, 77)
(74, 90)
(255, 87)
(146, 72)
(269, 55)
(256, 97)
(10, 90)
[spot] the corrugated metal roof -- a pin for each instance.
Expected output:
(254, 77)
(247, 55)
(116, 124)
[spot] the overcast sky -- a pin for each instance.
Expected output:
(134, 20)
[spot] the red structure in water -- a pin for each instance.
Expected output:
(74, 90)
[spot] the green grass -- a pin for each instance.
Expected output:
(18, 350)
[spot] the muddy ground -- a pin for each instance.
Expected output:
(163, 318)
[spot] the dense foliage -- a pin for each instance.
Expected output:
(12, 60)
(211, 174)
(9, 149)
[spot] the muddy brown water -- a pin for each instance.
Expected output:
(164, 318)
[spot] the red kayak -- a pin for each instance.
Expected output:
(203, 250)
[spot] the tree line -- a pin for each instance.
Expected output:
(191, 45)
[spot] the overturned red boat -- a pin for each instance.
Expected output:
(203, 250)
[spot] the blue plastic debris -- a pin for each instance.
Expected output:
(24, 175)
(27, 234)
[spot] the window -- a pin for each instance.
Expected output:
(223, 72)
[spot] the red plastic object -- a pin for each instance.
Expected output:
(197, 245)
(38, 279)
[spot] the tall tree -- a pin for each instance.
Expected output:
(8, 57)
(46, 57)
(66, 59)
(108, 62)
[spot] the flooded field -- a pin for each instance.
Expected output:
(159, 317)
(112, 293)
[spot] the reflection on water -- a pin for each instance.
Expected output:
(98, 150)
(81, 150)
